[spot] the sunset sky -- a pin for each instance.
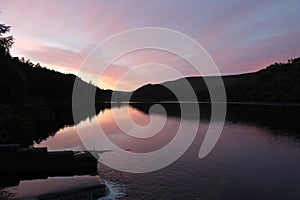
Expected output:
(240, 36)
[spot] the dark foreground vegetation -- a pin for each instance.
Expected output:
(35, 101)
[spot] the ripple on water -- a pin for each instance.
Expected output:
(117, 190)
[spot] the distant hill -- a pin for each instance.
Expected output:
(279, 82)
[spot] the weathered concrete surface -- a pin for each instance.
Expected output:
(20, 166)
(35, 163)
(59, 188)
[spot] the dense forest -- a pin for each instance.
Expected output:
(278, 83)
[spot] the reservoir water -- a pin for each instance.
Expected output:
(256, 157)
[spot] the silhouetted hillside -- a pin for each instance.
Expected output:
(22, 79)
(279, 82)
(35, 101)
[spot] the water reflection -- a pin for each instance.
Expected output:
(63, 119)
(275, 117)
(256, 156)
(282, 120)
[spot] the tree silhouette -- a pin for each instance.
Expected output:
(5, 41)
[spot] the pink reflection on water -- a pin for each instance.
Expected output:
(68, 138)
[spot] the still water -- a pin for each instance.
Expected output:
(256, 157)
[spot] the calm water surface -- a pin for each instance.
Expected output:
(256, 157)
